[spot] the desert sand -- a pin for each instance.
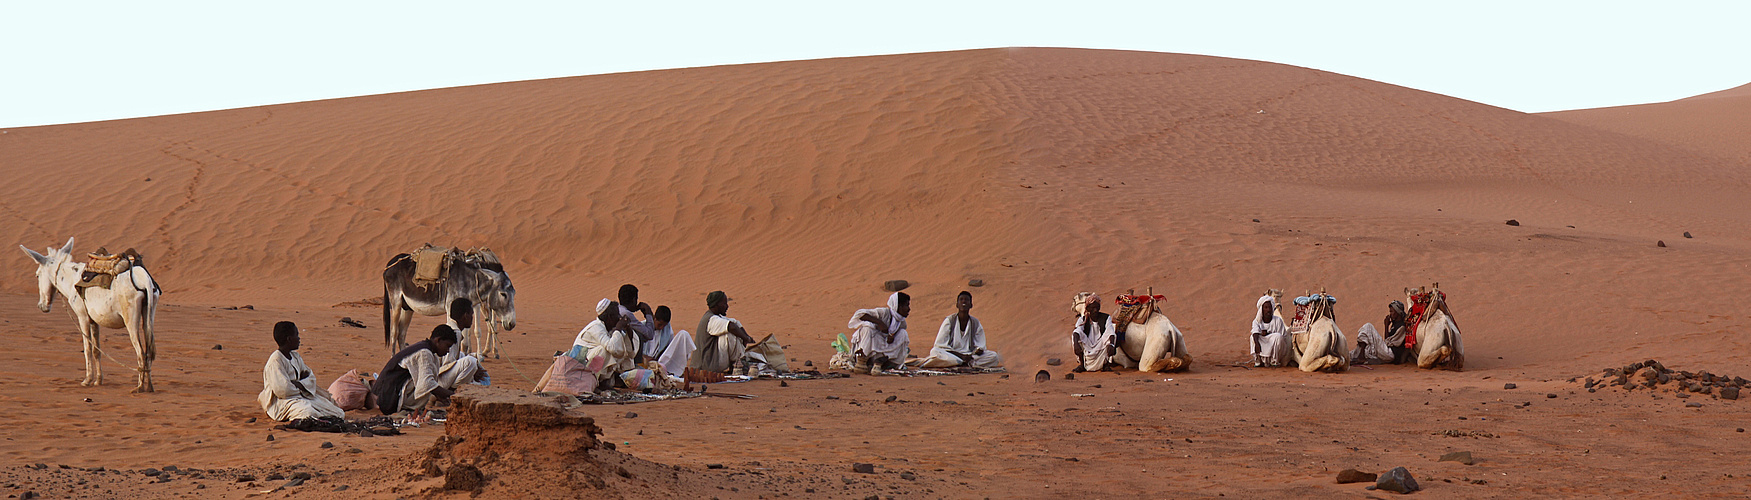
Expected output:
(799, 187)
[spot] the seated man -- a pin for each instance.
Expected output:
(461, 319)
(289, 389)
(629, 305)
(665, 346)
(412, 379)
(961, 340)
(720, 340)
(1269, 341)
(1397, 331)
(1094, 340)
(879, 340)
(610, 338)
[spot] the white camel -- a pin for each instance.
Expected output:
(1157, 345)
(131, 301)
(1322, 346)
(1438, 341)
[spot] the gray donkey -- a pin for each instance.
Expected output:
(475, 275)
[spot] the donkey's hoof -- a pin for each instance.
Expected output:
(86, 383)
(140, 390)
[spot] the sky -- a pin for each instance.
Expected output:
(65, 62)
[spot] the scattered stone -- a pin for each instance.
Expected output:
(218, 347)
(1255, 220)
(355, 450)
(250, 421)
(908, 476)
(302, 476)
(1070, 376)
(1042, 376)
(1509, 385)
(1660, 243)
(1729, 392)
(809, 363)
(622, 472)
(1054, 361)
(341, 488)
(1551, 396)
(151, 472)
(782, 383)
(464, 477)
(351, 322)
(862, 468)
(832, 397)
(270, 437)
(246, 478)
(714, 466)
(167, 468)
(1693, 405)
(895, 285)
(1513, 222)
(631, 415)
(1348, 476)
(1463, 457)
(890, 399)
(1687, 234)
(276, 476)
(975, 282)
(327, 445)
(1397, 480)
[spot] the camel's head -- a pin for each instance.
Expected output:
(502, 300)
(48, 267)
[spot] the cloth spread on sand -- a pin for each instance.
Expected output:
(289, 390)
(1269, 343)
(960, 344)
(717, 349)
(374, 426)
(867, 341)
(1371, 348)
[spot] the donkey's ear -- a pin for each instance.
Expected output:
(39, 258)
(68, 248)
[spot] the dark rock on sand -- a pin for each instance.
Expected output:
(890, 399)
(1687, 235)
(714, 466)
(270, 437)
(1513, 222)
(1348, 476)
(1660, 243)
(895, 285)
(151, 472)
(1042, 376)
(218, 347)
(1397, 480)
(1729, 392)
(1509, 385)
(1463, 457)
(908, 476)
(631, 415)
(302, 475)
(275, 476)
(464, 477)
(975, 282)
(1054, 361)
(1070, 376)
(327, 445)
(863, 468)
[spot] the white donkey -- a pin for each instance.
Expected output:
(131, 302)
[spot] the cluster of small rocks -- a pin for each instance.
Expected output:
(1651, 375)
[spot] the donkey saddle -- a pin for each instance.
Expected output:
(101, 268)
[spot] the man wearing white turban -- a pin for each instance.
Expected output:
(1269, 342)
(608, 338)
(879, 340)
(1094, 339)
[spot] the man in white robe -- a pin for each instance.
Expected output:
(666, 346)
(1371, 348)
(608, 338)
(719, 341)
(879, 340)
(289, 389)
(1269, 342)
(961, 340)
(411, 380)
(457, 367)
(1094, 340)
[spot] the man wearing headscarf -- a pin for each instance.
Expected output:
(1094, 339)
(879, 340)
(1269, 342)
(1396, 333)
(719, 341)
(289, 389)
(607, 337)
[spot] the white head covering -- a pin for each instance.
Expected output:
(894, 302)
(603, 306)
(1080, 303)
(1266, 299)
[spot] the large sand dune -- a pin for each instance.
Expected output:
(798, 187)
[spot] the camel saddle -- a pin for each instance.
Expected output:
(430, 265)
(101, 267)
